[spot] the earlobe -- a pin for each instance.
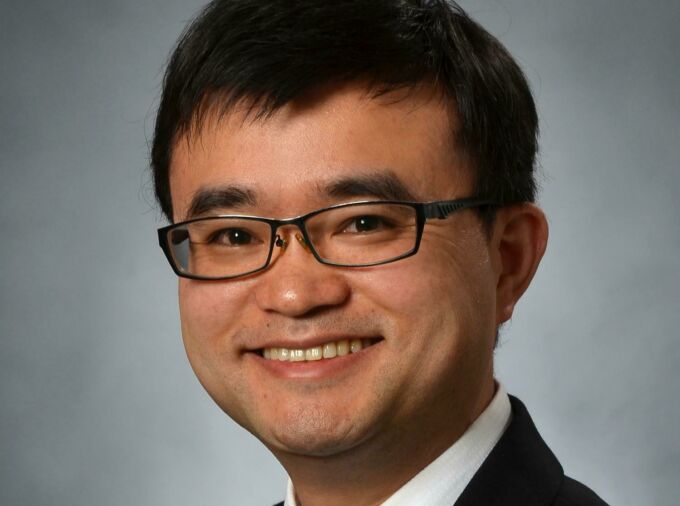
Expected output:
(519, 238)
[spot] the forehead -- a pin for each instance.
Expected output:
(286, 160)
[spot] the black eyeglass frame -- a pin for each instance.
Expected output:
(424, 211)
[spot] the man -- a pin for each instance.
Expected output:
(350, 187)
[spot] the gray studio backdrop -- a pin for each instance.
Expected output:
(97, 401)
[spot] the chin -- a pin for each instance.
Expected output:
(313, 433)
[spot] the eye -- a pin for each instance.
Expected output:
(367, 223)
(232, 237)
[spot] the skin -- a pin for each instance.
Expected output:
(354, 436)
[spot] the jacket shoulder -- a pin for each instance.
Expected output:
(574, 493)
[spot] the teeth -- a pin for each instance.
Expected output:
(342, 347)
(329, 350)
(313, 353)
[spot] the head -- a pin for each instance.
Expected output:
(275, 108)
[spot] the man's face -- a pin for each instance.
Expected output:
(430, 318)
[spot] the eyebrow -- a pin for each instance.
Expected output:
(208, 199)
(380, 185)
(383, 186)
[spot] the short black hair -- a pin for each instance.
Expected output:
(272, 52)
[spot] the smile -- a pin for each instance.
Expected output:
(327, 351)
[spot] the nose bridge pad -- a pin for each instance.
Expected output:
(302, 241)
(280, 243)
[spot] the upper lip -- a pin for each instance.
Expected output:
(307, 342)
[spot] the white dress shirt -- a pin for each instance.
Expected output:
(445, 478)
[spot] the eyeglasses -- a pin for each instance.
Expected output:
(358, 234)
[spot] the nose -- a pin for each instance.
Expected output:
(296, 284)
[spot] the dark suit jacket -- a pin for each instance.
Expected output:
(522, 471)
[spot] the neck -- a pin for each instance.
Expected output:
(372, 471)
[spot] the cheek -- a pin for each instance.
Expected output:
(423, 284)
(444, 294)
(420, 303)
(207, 311)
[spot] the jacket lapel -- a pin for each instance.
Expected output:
(520, 469)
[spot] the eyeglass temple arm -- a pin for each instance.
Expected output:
(444, 208)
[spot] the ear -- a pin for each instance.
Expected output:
(518, 240)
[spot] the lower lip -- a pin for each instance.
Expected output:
(314, 369)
